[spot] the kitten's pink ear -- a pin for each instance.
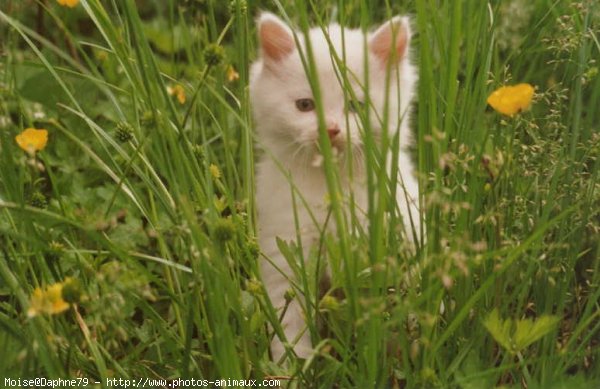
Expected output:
(390, 41)
(276, 39)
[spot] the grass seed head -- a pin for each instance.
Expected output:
(124, 132)
(38, 200)
(214, 54)
(224, 230)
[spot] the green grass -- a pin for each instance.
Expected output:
(504, 293)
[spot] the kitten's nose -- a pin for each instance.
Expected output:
(332, 132)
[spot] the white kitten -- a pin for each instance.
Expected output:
(287, 127)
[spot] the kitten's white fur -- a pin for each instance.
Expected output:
(289, 137)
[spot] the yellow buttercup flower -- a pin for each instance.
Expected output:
(32, 139)
(48, 300)
(68, 3)
(509, 100)
(232, 74)
(178, 92)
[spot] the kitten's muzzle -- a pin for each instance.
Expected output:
(333, 132)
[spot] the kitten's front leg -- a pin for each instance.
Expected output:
(276, 275)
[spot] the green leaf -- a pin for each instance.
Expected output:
(516, 335)
(529, 331)
(167, 38)
(499, 329)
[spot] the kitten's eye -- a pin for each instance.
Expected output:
(305, 105)
(356, 106)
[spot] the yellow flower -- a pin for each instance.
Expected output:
(32, 139)
(232, 75)
(177, 91)
(509, 100)
(214, 171)
(48, 301)
(68, 3)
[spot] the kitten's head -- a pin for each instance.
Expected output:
(284, 109)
